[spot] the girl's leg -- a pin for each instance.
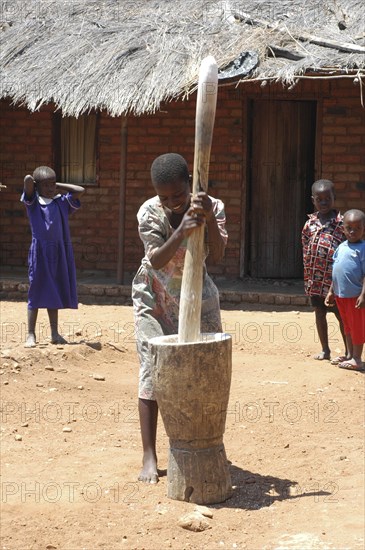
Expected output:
(355, 362)
(32, 320)
(356, 354)
(349, 345)
(56, 338)
(354, 324)
(322, 329)
(148, 412)
(339, 319)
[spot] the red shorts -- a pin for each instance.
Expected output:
(353, 319)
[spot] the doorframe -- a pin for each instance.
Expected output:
(243, 267)
(246, 134)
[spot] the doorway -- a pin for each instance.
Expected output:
(281, 137)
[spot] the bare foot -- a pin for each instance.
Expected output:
(58, 339)
(149, 472)
(30, 341)
(323, 355)
(352, 364)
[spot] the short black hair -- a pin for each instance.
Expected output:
(168, 168)
(325, 185)
(43, 173)
(357, 214)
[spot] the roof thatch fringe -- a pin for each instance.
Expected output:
(129, 57)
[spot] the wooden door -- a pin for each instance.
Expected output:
(281, 174)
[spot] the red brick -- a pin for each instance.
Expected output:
(328, 139)
(348, 140)
(348, 158)
(334, 149)
(334, 130)
(360, 129)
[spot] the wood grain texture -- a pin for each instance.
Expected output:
(192, 281)
(192, 383)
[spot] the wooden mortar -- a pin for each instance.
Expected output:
(192, 383)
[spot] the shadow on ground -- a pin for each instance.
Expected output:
(252, 491)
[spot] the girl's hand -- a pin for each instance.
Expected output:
(202, 205)
(29, 186)
(330, 299)
(29, 180)
(191, 220)
(360, 302)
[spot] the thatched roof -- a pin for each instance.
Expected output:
(129, 56)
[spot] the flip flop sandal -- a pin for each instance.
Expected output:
(321, 357)
(339, 359)
(350, 366)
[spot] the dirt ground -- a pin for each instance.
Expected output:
(71, 450)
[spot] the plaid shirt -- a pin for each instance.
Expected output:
(319, 244)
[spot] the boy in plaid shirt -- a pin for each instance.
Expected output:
(321, 235)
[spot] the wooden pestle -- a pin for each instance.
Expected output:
(192, 281)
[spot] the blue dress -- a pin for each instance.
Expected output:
(52, 273)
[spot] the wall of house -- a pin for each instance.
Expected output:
(343, 143)
(27, 142)
(173, 130)
(340, 148)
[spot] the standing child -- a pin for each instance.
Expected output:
(321, 235)
(165, 221)
(348, 287)
(52, 274)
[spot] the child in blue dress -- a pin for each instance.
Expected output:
(52, 273)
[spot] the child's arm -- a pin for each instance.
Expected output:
(166, 252)
(330, 298)
(360, 302)
(75, 190)
(29, 186)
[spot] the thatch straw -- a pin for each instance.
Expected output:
(128, 57)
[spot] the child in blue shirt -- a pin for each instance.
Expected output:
(348, 286)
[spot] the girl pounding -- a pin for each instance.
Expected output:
(165, 222)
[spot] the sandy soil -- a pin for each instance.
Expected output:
(71, 449)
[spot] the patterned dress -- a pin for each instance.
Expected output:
(319, 244)
(51, 264)
(156, 293)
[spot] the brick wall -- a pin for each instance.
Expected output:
(173, 130)
(94, 228)
(26, 142)
(343, 143)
